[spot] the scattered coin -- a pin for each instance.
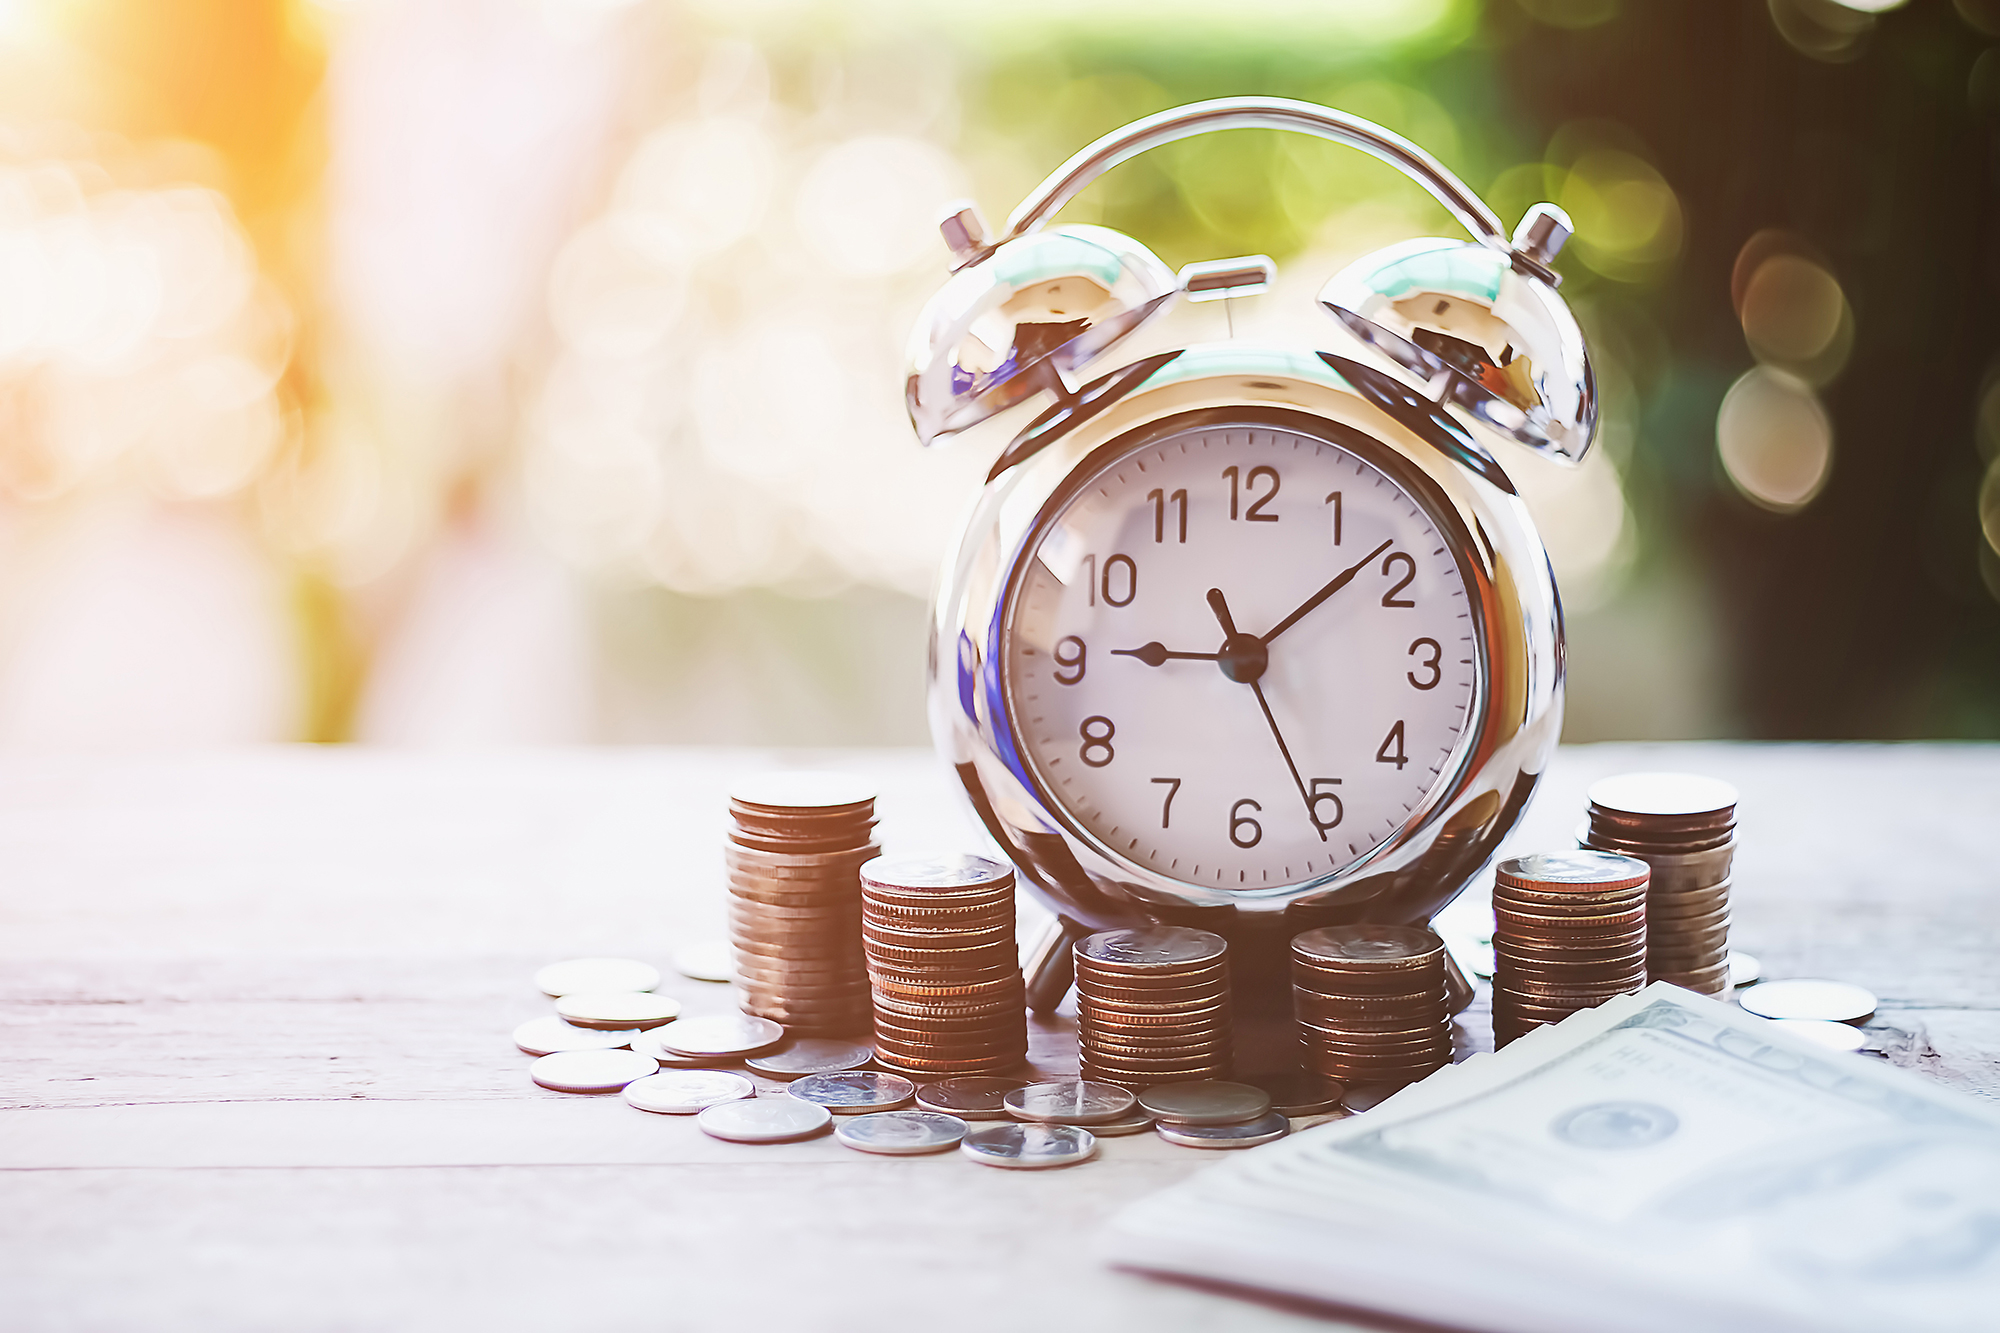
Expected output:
(705, 960)
(648, 1043)
(590, 1071)
(812, 1055)
(687, 1091)
(1359, 1097)
(1834, 1001)
(1205, 1102)
(1070, 1102)
(602, 975)
(1137, 1123)
(900, 1133)
(612, 1010)
(1029, 1147)
(854, 1092)
(725, 1035)
(1295, 1094)
(764, 1120)
(1743, 968)
(1265, 1129)
(1820, 1032)
(969, 1097)
(547, 1035)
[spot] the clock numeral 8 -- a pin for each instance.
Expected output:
(1096, 740)
(1238, 821)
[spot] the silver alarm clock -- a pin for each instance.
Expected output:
(1250, 637)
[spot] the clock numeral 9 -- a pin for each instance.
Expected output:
(1112, 578)
(1238, 821)
(1098, 739)
(1255, 513)
(1074, 661)
(1432, 666)
(1389, 561)
(1160, 500)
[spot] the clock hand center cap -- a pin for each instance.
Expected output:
(1243, 658)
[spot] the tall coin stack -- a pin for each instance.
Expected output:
(1569, 932)
(1684, 827)
(794, 846)
(1152, 1006)
(944, 966)
(1371, 1003)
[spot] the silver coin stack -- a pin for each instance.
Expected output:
(795, 844)
(1569, 932)
(1152, 1006)
(1371, 1003)
(946, 972)
(1684, 827)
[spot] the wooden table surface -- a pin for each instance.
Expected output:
(258, 1073)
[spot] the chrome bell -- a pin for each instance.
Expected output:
(1019, 317)
(1483, 328)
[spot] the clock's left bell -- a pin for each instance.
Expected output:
(1024, 316)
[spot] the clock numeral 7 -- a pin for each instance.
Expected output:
(1112, 578)
(1160, 500)
(1173, 786)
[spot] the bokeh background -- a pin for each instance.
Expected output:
(501, 371)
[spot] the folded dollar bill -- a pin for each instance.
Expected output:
(1663, 1162)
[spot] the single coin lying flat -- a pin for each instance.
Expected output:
(1205, 1102)
(1296, 1094)
(1029, 1147)
(612, 1010)
(764, 1120)
(590, 1071)
(1265, 1129)
(1070, 1102)
(1359, 1097)
(648, 1043)
(1833, 1036)
(900, 1133)
(548, 1034)
(731, 1035)
(854, 1092)
(705, 960)
(1804, 997)
(603, 975)
(1136, 1123)
(812, 1055)
(1743, 968)
(687, 1091)
(969, 1097)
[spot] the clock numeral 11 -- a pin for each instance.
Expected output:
(1160, 500)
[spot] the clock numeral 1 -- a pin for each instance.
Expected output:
(1074, 661)
(1255, 513)
(1314, 808)
(1111, 579)
(1333, 499)
(1395, 738)
(1099, 739)
(1173, 786)
(1238, 821)
(1160, 500)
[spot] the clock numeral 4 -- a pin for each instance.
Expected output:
(1432, 665)
(1173, 786)
(1097, 733)
(1159, 499)
(1238, 821)
(1255, 513)
(1073, 662)
(1118, 570)
(1394, 738)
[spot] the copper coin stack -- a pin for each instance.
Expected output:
(1684, 827)
(795, 843)
(944, 966)
(1371, 1003)
(1569, 932)
(1152, 1006)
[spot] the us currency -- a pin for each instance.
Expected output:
(1659, 1163)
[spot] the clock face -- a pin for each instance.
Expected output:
(1241, 657)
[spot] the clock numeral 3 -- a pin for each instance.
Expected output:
(1389, 561)
(1160, 500)
(1238, 821)
(1074, 661)
(1112, 578)
(1437, 671)
(1395, 738)
(1173, 786)
(1099, 739)
(1255, 513)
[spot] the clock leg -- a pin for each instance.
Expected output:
(1050, 966)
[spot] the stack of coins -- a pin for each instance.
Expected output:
(946, 973)
(795, 845)
(1152, 1006)
(1569, 932)
(1371, 1003)
(1684, 827)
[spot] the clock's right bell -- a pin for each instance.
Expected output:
(1483, 329)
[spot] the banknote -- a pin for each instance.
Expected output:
(1659, 1163)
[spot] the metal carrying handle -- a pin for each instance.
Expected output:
(1253, 113)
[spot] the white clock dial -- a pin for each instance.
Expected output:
(1274, 756)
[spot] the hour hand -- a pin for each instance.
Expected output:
(1153, 654)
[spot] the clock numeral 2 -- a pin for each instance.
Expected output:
(1395, 738)
(1255, 513)
(1160, 500)
(1074, 661)
(1097, 740)
(1389, 598)
(1239, 821)
(1173, 786)
(1112, 565)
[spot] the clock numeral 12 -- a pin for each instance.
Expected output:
(1160, 500)
(1255, 513)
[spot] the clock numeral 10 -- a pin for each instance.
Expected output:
(1160, 500)
(1113, 578)
(1255, 513)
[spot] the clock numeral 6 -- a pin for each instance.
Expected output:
(1238, 821)
(1113, 577)
(1097, 733)
(1074, 661)
(1437, 671)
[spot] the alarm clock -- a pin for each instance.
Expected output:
(1249, 637)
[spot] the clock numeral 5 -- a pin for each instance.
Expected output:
(1395, 738)
(1075, 659)
(1238, 821)
(1097, 733)
(1112, 578)
(1173, 786)
(1314, 808)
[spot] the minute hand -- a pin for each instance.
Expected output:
(1339, 581)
